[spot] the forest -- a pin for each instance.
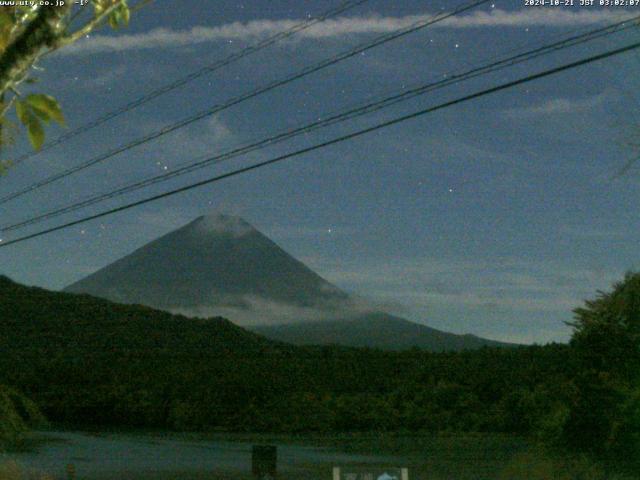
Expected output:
(87, 362)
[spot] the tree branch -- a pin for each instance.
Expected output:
(43, 31)
(6, 107)
(20, 23)
(89, 26)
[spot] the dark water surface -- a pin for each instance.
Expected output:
(132, 456)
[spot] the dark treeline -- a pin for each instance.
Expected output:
(88, 361)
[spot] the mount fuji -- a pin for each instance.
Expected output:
(220, 265)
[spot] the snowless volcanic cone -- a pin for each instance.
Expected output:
(220, 265)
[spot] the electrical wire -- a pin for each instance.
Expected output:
(343, 138)
(450, 79)
(418, 25)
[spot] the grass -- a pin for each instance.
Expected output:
(12, 471)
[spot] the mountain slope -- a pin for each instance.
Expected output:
(213, 261)
(220, 265)
(375, 329)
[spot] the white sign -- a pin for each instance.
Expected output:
(370, 473)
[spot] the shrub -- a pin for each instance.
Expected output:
(17, 415)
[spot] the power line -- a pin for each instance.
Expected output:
(333, 119)
(251, 49)
(352, 113)
(418, 25)
(358, 133)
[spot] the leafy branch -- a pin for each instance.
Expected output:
(35, 110)
(29, 32)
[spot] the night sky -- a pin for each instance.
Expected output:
(495, 217)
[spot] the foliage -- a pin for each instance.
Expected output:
(92, 362)
(27, 33)
(604, 416)
(17, 415)
(10, 470)
(607, 331)
(87, 360)
(35, 110)
(539, 465)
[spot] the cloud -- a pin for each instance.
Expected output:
(594, 234)
(282, 232)
(216, 223)
(539, 17)
(185, 146)
(507, 285)
(105, 79)
(213, 221)
(249, 310)
(558, 106)
(236, 31)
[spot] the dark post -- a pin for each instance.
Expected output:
(264, 459)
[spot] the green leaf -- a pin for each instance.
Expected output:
(22, 111)
(41, 115)
(36, 132)
(30, 120)
(120, 16)
(126, 14)
(46, 107)
(97, 8)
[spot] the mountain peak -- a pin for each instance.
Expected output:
(220, 265)
(221, 224)
(215, 262)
